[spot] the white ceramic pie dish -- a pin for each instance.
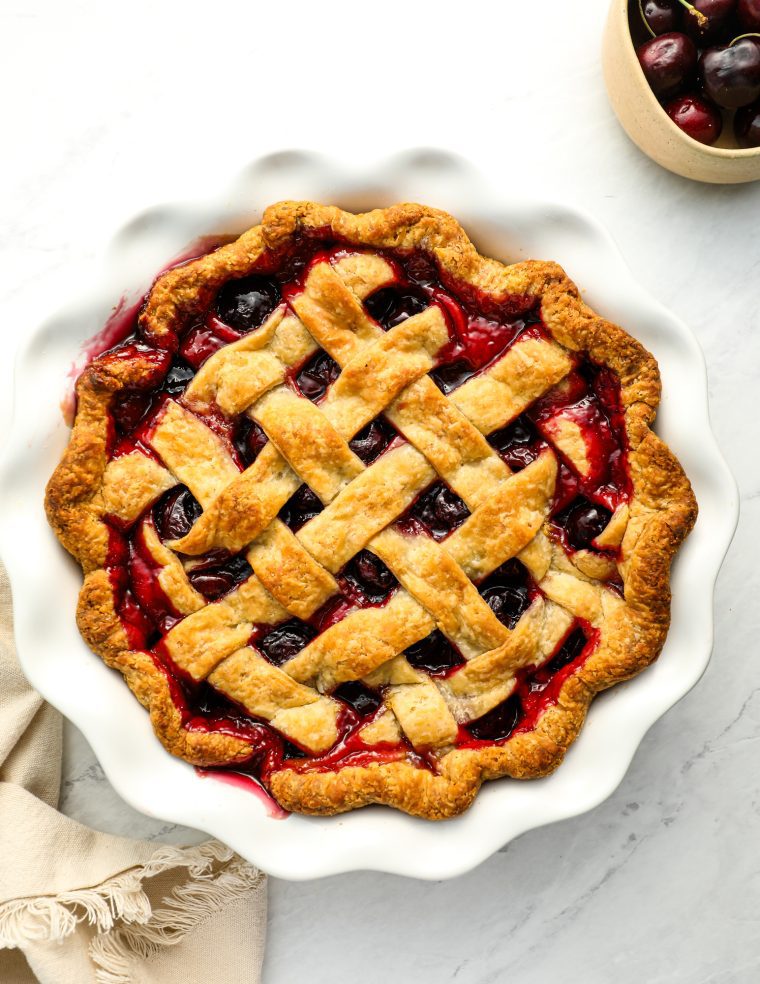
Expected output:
(46, 581)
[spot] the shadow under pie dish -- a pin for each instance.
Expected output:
(367, 515)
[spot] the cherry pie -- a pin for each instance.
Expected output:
(368, 516)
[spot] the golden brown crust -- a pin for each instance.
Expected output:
(662, 508)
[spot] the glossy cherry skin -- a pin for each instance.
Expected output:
(748, 12)
(390, 306)
(498, 723)
(718, 27)
(747, 126)
(440, 509)
(668, 62)
(583, 522)
(370, 575)
(731, 73)
(175, 514)
(285, 641)
(662, 16)
(245, 304)
(698, 118)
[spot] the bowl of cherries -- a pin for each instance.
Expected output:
(683, 77)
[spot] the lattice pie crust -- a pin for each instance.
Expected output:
(417, 750)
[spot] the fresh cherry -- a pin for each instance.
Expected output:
(372, 440)
(748, 12)
(176, 513)
(434, 654)
(440, 509)
(714, 24)
(747, 126)
(731, 73)
(668, 62)
(285, 641)
(245, 304)
(507, 592)
(389, 306)
(698, 118)
(319, 372)
(498, 723)
(302, 506)
(583, 521)
(370, 575)
(661, 16)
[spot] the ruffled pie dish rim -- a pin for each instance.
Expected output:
(366, 847)
(662, 508)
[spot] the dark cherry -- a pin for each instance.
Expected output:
(372, 440)
(177, 378)
(748, 12)
(583, 521)
(747, 125)
(662, 16)
(245, 304)
(215, 581)
(440, 509)
(669, 62)
(128, 409)
(318, 373)
(363, 700)
(715, 23)
(370, 575)
(302, 506)
(499, 723)
(731, 73)
(389, 306)
(434, 654)
(448, 378)
(698, 118)
(517, 442)
(571, 649)
(175, 513)
(249, 440)
(507, 592)
(285, 641)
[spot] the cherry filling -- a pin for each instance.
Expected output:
(302, 506)
(285, 641)
(213, 580)
(536, 689)
(438, 509)
(175, 513)
(389, 306)
(508, 592)
(582, 521)
(434, 654)
(372, 440)
(370, 576)
(249, 441)
(317, 375)
(518, 443)
(481, 330)
(246, 304)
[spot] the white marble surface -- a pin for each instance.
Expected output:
(110, 108)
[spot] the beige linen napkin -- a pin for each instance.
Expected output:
(82, 907)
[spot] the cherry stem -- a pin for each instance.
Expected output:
(646, 22)
(752, 34)
(701, 19)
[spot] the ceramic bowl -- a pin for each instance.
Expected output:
(647, 123)
(46, 581)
